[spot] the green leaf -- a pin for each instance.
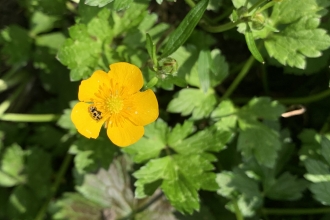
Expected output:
(287, 187)
(74, 206)
(219, 67)
(180, 132)
(325, 149)
(289, 11)
(193, 101)
(244, 184)
(240, 3)
(181, 175)
(99, 3)
(110, 188)
(321, 192)
(12, 166)
(92, 154)
(223, 180)
(46, 136)
(20, 205)
(121, 4)
(178, 81)
(82, 52)
(182, 194)
(184, 30)
(264, 108)
(297, 41)
(154, 170)
(206, 140)
(310, 144)
(224, 115)
(65, 120)
(41, 22)
(159, 209)
(55, 7)
(252, 45)
(151, 144)
(53, 40)
(313, 65)
(187, 60)
(39, 177)
(203, 66)
(201, 40)
(76, 52)
(16, 45)
(132, 17)
(317, 171)
(151, 48)
(240, 189)
(258, 140)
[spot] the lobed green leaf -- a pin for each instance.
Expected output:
(193, 101)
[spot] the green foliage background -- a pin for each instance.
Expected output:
(224, 72)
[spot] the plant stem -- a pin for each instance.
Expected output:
(239, 78)
(308, 99)
(297, 100)
(238, 213)
(271, 211)
(64, 166)
(256, 5)
(224, 14)
(266, 6)
(190, 3)
(6, 104)
(221, 28)
(29, 117)
(142, 208)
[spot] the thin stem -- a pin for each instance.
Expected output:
(190, 3)
(64, 166)
(266, 6)
(29, 117)
(10, 79)
(6, 104)
(223, 15)
(221, 28)
(305, 100)
(238, 213)
(297, 100)
(256, 5)
(142, 208)
(239, 78)
(271, 211)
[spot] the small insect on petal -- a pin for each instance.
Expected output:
(95, 114)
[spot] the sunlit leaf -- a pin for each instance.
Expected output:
(184, 30)
(12, 166)
(193, 101)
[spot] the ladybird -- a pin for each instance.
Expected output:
(96, 115)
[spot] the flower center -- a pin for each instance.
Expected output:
(114, 104)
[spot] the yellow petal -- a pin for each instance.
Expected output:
(90, 86)
(84, 123)
(126, 134)
(145, 108)
(126, 75)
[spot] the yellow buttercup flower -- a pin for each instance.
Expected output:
(114, 99)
